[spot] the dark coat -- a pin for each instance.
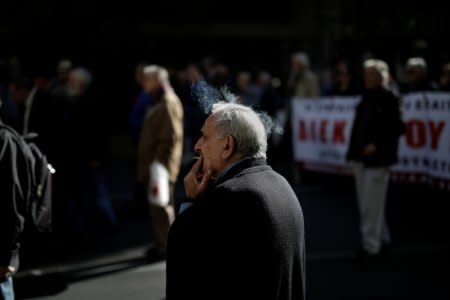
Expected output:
(86, 130)
(243, 240)
(377, 121)
(14, 192)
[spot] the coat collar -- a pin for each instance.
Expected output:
(239, 167)
(235, 170)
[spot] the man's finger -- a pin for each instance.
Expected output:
(196, 167)
(205, 179)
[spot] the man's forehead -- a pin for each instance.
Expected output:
(209, 124)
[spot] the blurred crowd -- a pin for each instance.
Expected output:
(64, 117)
(68, 112)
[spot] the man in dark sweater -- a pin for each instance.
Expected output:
(241, 236)
(373, 148)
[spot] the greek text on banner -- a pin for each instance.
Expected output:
(322, 128)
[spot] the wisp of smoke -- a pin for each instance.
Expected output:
(207, 96)
(271, 126)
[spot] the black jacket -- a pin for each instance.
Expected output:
(14, 186)
(377, 121)
(86, 130)
(243, 240)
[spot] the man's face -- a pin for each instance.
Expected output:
(414, 75)
(243, 82)
(297, 66)
(211, 146)
(76, 85)
(445, 78)
(372, 79)
(342, 73)
(151, 83)
(19, 95)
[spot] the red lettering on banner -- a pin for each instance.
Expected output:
(338, 132)
(316, 131)
(415, 133)
(323, 131)
(435, 133)
(313, 130)
(302, 131)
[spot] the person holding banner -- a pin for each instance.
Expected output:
(417, 76)
(159, 153)
(373, 148)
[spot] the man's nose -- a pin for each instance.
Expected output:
(197, 148)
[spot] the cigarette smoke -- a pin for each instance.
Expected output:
(207, 96)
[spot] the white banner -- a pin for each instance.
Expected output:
(322, 129)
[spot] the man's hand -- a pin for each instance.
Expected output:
(6, 271)
(370, 150)
(195, 183)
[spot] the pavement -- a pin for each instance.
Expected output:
(115, 266)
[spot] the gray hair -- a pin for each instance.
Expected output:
(301, 57)
(244, 125)
(381, 67)
(64, 65)
(161, 73)
(417, 62)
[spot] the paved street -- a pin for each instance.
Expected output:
(144, 282)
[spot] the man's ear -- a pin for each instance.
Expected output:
(229, 147)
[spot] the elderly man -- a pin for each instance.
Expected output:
(242, 237)
(161, 141)
(373, 148)
(302, 82)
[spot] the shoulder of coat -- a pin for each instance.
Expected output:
(173, 101)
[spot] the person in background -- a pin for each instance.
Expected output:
(243, 82)
(417, 77)
(220, 76)
(302, 82)
(161, 141)
(444, 80)
(36, 113)
(194, 114)
(376, 130)
(208, 67)
(42, 78)
(270, 100)
(9, 110)
(240, 218)
(141, 105)
(88, 203)
(58, 86)
(344, 84)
